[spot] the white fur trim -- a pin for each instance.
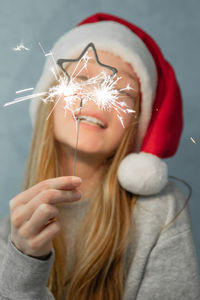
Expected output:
(142, 173)
(117, 39)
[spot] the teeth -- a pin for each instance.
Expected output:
(92, 120)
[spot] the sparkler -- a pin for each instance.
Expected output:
(100, 89)
(193, 140)
(20, 47)
(25, 90)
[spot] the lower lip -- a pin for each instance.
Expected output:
(91, 126)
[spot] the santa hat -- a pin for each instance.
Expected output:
(161, 121)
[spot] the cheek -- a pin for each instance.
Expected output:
(58, 117)
(118, 128)
(123, 119)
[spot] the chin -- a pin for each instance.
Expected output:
(90, 150)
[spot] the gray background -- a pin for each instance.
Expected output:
(175, 26)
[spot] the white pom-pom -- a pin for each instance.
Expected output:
(142, 173)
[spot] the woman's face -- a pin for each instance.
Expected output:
(92, 138)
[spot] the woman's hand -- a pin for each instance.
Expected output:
(31, 210)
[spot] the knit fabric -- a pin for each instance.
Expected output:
(159, 265)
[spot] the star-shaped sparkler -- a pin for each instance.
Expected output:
(100, 89)
(61, 61)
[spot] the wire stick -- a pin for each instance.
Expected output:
(75, 152)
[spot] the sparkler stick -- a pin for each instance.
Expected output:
(75, 152)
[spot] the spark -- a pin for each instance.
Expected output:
(54, 73)
(52, 57)
(193, 140)
(101, 89)
(121, 120)
(85, 59)
(25, 98)
(25, 90)
(128, 88)
(20, 47)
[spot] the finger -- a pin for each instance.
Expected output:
(60, 183)
(39, 220)
(24, 212)
(52, 196)
(45, 236)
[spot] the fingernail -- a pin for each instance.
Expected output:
(76, 180)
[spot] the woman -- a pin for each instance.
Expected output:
(123, 236)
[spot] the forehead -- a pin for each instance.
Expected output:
(124, 68)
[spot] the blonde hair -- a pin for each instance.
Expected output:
(98, 272)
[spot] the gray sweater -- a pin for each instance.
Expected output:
(160, 266)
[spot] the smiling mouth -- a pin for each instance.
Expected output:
(88, 120)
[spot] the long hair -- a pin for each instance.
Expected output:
(103, 237)
(98, 272)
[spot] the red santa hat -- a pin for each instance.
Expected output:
(161, 120)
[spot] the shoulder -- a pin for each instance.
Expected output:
(165, 255)
(163, 209)
(5, 228)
